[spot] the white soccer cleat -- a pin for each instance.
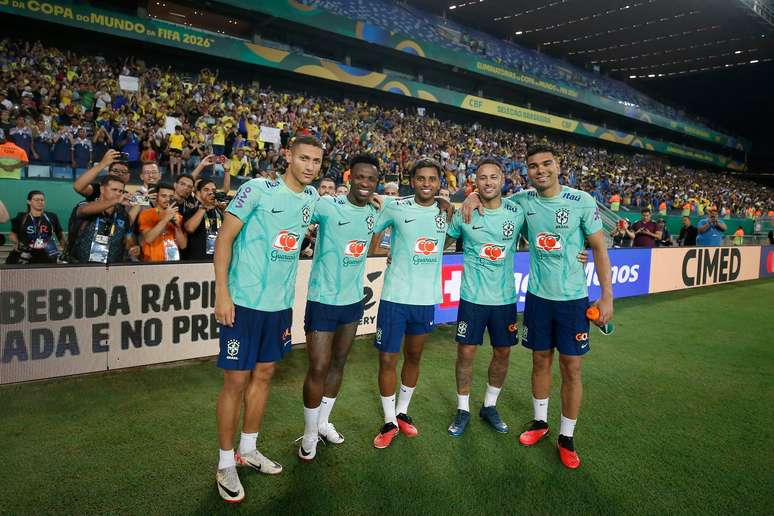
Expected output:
(229, 486)
(308, 449)
(259, 463)
(330, 434)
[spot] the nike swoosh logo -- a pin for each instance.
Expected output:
(343, 223)
(406, 221)
(276, 211)
(228, 491)
(478, 227)
(531, 213)
(304, 452)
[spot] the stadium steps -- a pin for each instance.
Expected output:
(609, 221)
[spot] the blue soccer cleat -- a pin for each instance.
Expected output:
(490, 415)
(461, 420)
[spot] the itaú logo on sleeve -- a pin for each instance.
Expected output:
(286, 241)
(492, 252)
(426, 246)
(548, 241)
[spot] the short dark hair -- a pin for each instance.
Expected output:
(164, 186)
(202, 183)
(537, 148)
(328, 178)
(33, 193)
(183, 176)
(108, 179)
(489, 160)
(425, 162)
(645, 210)
(367, 159)
(305, 140)
(123, 163)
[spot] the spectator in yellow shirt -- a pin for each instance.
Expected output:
(240, 163)
(175, 150)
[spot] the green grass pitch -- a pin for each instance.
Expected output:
(677, 418)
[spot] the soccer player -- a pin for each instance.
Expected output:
(334, 305)
(412, 288)
(559, 220)
(488, 292)
(256, 259)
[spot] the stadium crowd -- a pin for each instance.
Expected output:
(67, 109)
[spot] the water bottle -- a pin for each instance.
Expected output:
(592, 313)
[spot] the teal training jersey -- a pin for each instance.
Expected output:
(343, 237)
(489, 243)
(264, 258)
(416, 249)
(557, 228)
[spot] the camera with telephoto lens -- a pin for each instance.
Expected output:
(222, 197)
(123, 157)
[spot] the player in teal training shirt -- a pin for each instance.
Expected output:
(334, 304)
(412, 288)
(559, 221)
(256, 259)
(488, 292)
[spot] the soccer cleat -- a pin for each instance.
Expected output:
(567, 453)
(308, 449)
(385, 436)
(406, 425)
(229, 486)
(259, 463)
(330, 434)
(536, 432)
(461, 420)
(491, 416)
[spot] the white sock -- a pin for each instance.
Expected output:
(311, 416)
(463, 402)
(490, 398)
(325, 411)
(540, 408)
(226, 459)
(247, 442)
(404, 398)
(388, 405)
(567, 427)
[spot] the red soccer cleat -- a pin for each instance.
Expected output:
(536, 432)
(406, 426)
(385, 436)
(567, 453)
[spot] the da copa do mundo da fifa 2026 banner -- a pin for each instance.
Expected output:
(164, 33)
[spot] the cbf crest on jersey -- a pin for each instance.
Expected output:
(562, 217)
(306, 215)
(370, 223)
(440, 222)
(508, 228)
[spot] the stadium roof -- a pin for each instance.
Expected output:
(628, 39)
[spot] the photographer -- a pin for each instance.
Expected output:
(35, 233)
(622, 236)
(100, 230)
(203, 222)
(711, 230)
(161, 227)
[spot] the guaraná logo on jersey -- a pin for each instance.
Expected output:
(355, 248)
(548, 241)
(492, 252)
(426, 246)
(286, 241)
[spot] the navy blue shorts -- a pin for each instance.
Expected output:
(474, 319)
(256, 336)
(394, 320)
(322, 317)
(556, 324)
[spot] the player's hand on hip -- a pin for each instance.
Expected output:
(224, 310)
